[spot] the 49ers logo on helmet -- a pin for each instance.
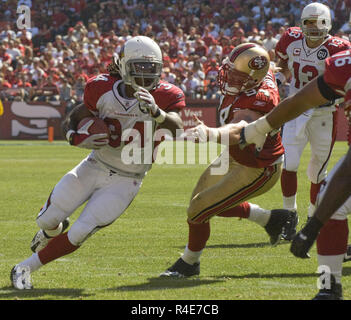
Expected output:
(258, 63)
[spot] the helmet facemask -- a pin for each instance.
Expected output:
(233, 82)
(321, 14)
(140, 63)
(315, 33)
(142, 73)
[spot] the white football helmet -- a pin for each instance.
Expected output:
(140, 63)
(319, 12)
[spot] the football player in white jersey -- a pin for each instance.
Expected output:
(302, 52)
(130, 96)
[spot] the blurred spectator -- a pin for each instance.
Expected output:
(269, 42)
(212, 90)
(191, 85)
(75, 40)
(168, 76)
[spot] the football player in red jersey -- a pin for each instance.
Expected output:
(329, 222)
(249, 90)
(130, 96)
(302, 52)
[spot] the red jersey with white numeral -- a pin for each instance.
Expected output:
(262, 99)
(131, 146)
(337, 73)
(306, 63)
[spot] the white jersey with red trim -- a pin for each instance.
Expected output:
(131, 147)
(306, 63)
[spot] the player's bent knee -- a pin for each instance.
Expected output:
(81, 231)
(50, 217)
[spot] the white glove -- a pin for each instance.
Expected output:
(83, 139)
(148, 104)
(201, 133)
(255, 132)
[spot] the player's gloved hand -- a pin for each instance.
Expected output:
(304, 239)
(255, 132)
(148, 104)
(199, 133)
(83, 139)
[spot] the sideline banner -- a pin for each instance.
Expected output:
(30, 120)
(23, 120)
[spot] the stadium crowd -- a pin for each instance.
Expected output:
(70, 41)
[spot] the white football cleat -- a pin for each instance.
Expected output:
(20, 278)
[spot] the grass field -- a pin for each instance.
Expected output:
(123, 261)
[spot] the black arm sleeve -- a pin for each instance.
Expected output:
(325, 90)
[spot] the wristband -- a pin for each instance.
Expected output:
(160, 116)
(312, 227)
(262, 125)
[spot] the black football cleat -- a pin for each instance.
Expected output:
(289, 231)
(280, 221)
(334, 293)
(181, 269)
(347, 256)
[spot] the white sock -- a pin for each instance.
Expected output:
(32, 262)
(54, 232)
(259, 215)
(191, 257)
(311, 209)
(334, 263)
(289, 203)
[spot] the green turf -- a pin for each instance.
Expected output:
(124, 260)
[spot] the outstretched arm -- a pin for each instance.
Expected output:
(310, 96)
(306, 98)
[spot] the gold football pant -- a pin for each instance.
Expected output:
(215, 194)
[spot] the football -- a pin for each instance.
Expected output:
(98, 126)
(247, 115)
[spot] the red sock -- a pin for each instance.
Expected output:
(288, 183)
(332, 239)
(314, 191)
(198, 235)
(56, 248)
(240, 211)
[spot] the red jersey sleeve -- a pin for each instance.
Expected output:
(336, 44)
(338, 71)
(95, 88)
(289, 36)
(169, 97)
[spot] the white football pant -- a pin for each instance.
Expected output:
(318, 131)
(107, 194)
